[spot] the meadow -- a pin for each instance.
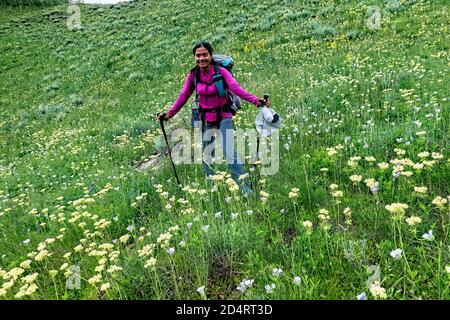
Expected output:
(358, 210)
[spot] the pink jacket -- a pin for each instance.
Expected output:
(208, 95)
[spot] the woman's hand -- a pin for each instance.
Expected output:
(162, 117)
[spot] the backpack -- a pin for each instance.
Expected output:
(234, 102)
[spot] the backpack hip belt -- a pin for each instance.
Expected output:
(216, 110)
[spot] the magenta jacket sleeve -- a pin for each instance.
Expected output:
(236, 88)
(185, 94)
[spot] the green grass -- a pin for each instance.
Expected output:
(77, 112)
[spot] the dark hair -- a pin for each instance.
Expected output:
(203, 44)
(207, 46)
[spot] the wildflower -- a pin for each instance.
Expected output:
(369, 182)
(14, 273)
(205, 228)
(297, 280)
(41, 255)
(276, 272)
(64, 266)
(296, 190)
(8, 285)
(307, 224)
(124, 238)
(182, 243)
(421, 189)
(201, 290)
(323, 215)
(150, 263)
(264, 194)
(348, 216)
(338, 194)
(370, 159)
(174, 229)
(50, 240)
(130, 228)
(413, 220)
(26, 241)
(396, 254)
(421, 133)
(26, 264)
(171, 251)
(269, 288)
(95, 279)
(105, 286)
(243, 176)
(383, 165)
(115, 268)
(146, 251)
(378, 291)
(424, 154)
(53, 273)
(99, 268)
(361, 296)
(406, 173)
(355, 178)
(234, 215)
(244, 284)
(249, 212)
(218, 214)
(293, 195)
(374, 188)
(31, 289)
(189, 225)
(331, 151)
(30, 278)
(428, 236)
(436, 155)
(447, 269)
(398, 209)
(333, 186)
(439, 202)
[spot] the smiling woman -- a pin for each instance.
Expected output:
(209, 80)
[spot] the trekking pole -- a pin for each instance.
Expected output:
(258, 138)
(266, 97)
(170, 152)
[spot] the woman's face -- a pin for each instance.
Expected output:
(202, 57)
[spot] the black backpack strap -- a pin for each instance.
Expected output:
(196, 80)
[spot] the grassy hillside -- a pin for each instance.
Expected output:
(365, 132)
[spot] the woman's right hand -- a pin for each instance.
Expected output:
(162, 116)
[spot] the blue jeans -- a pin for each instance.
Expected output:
(234, 163)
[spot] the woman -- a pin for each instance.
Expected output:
(213, 109)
